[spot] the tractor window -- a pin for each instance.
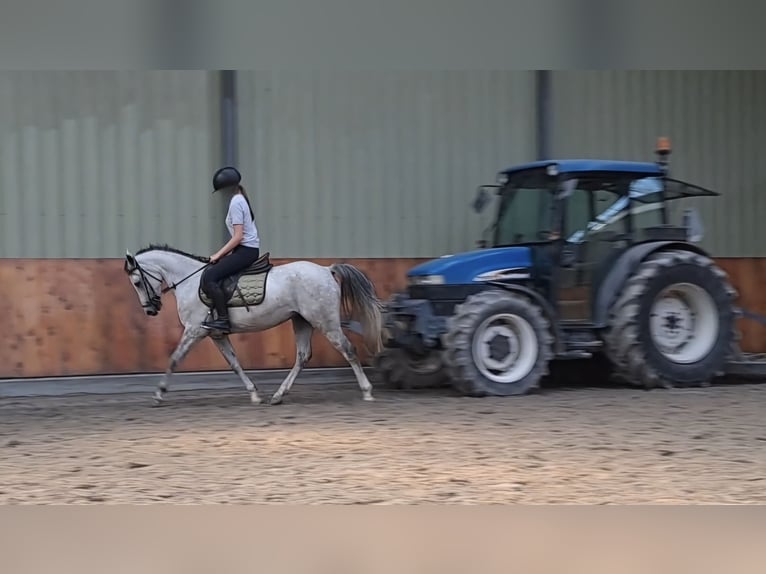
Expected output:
(609, 209)
(524, 216)
(578, 211)
(610, 206)
(647, 202)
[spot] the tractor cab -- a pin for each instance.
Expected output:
(573, 218)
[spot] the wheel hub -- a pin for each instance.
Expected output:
(674, 323)
(505, 348)
(501, 347)
(683, 323)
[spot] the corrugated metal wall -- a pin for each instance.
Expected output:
(363, 164)
(717, 125)
(374, 164)
(93, 163)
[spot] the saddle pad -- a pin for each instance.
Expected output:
(253, 288)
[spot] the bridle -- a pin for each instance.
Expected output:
(155, 299)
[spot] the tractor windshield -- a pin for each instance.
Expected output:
(525, 213)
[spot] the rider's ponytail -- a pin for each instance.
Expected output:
(244, 194)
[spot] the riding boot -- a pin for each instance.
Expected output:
(221, 322)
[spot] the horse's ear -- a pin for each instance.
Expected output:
(130, 261)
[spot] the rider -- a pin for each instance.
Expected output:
(241, 251)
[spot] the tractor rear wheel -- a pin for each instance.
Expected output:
(397, 369)
(674, 323)
(497, 343)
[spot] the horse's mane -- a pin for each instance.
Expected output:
(170, 249)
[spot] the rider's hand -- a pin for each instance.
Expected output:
(214, 258)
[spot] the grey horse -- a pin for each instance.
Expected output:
(311, 296)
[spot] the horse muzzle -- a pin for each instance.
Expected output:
(151, 309)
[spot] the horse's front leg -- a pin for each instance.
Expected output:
(190, 337)
(227, 350)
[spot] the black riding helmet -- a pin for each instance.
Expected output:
(226, 178)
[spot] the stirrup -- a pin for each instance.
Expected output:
(217, 325)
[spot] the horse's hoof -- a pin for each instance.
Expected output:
(368, 398)
(255, 399)
(275, 401)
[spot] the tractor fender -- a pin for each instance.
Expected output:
(546, 307)
(623, 268)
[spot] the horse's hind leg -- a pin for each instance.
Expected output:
(227, 350)
(189, 338)
(339, 340)
(303, 331)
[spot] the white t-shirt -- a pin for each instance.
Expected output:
(239, 214)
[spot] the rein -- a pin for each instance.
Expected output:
(153, 296)
(174, 285)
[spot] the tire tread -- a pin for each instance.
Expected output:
(458, 343)
(622, 341)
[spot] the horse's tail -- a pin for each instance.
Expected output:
(358, 301)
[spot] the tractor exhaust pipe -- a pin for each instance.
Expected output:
(663, 151)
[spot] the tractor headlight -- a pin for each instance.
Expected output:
(510, 274)
(427, 280)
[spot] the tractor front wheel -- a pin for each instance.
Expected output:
(498, 343)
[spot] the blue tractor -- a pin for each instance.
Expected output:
(581, 261)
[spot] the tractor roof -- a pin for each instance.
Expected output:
(591, 165)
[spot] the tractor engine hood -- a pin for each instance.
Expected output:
(497, 264)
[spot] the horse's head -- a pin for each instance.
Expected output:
(148, 285)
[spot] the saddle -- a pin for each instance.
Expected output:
(246, 288)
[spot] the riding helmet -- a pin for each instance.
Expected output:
(226, 178)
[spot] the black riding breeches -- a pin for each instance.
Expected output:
(239, 259)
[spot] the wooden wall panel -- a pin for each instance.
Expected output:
(748, 275)
(81, 317)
